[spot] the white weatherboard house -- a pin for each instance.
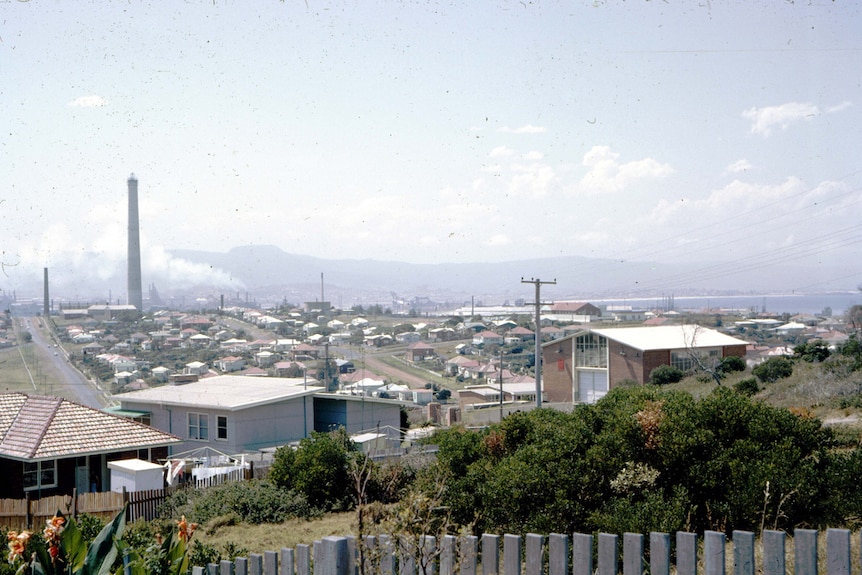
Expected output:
(231, 413)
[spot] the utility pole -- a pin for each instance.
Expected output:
(501, 385)
(538, 361)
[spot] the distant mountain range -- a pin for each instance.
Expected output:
(268, 272)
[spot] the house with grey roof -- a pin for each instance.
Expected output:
(241, 414)
(50, 446)
(230, 413)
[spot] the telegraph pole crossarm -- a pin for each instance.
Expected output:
(538, 361)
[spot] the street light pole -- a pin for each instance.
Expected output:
(538, 361)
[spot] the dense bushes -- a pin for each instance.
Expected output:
(813, 351)
(773, 369)
(323, 470)
(318, 469)
(665, 374)
(248, 501)
(643, 459)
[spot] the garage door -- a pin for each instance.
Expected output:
(592, 385)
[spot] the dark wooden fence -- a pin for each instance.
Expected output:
(20, 514)
(557, 554)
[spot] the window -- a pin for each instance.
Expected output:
(40, 474)
(198, 428)
(221, 427)
(591, 350)
(686, 359)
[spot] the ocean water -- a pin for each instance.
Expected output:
(814, 303)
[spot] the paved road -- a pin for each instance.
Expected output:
(71, 383)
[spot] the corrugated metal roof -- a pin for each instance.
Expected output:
(38, 427)
(224, 392)
(668, 337)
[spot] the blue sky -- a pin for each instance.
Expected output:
(431, 132)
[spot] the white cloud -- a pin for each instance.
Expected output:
(534, 155)
(501, 152)
(535, 179)
(838, 107)
(497, 240)
(765, 119)
(607, 175)
(528, 129)
(742, 165)
(89, 102)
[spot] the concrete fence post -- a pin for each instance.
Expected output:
(805, 551)
(608, 554)
(511, 554)
(633, 553)
(534, 546)
(713, 553)
(743, 552)
(558, 554)
(582, 554)
(686, 553)
(773, 552)
(490, 554)
(659, 553)
(838, 551)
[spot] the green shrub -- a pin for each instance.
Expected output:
(254, 501)
(665, 374)
(773, 369)
(747, 387)
(812, 351)
(318, 469)
(730, 364)
(644, 459)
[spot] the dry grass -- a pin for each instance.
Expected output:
(260, 538)
(812, 387)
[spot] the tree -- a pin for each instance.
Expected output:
(665, 374)
(644, 459)
(773, 369)
(731, 363)
(319, 468)
(854, 318)
(813, 351)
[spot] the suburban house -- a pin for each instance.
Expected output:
(574, 309)
(356, 414)
(240, 414)
(231, 413)
(583, 366)
(519, 334)
(50, 446)
(487, 338)
(485, 394)
(420, 351)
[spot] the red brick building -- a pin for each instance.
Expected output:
(583, 366)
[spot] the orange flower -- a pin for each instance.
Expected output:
(17, 544)
(186, 529)
(53, 529)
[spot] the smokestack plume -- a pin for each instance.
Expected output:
(133, 288)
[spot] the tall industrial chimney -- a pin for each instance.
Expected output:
(46, 305)
(133, 288)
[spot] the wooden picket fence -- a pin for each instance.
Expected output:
(557, 554)
(20, 514)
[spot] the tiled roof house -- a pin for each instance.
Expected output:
(49, 445)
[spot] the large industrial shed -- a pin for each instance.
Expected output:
(583, 366)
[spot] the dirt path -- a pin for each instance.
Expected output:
(392, 373)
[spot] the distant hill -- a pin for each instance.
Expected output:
(266, 269)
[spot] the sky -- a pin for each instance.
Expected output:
(429, 132)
